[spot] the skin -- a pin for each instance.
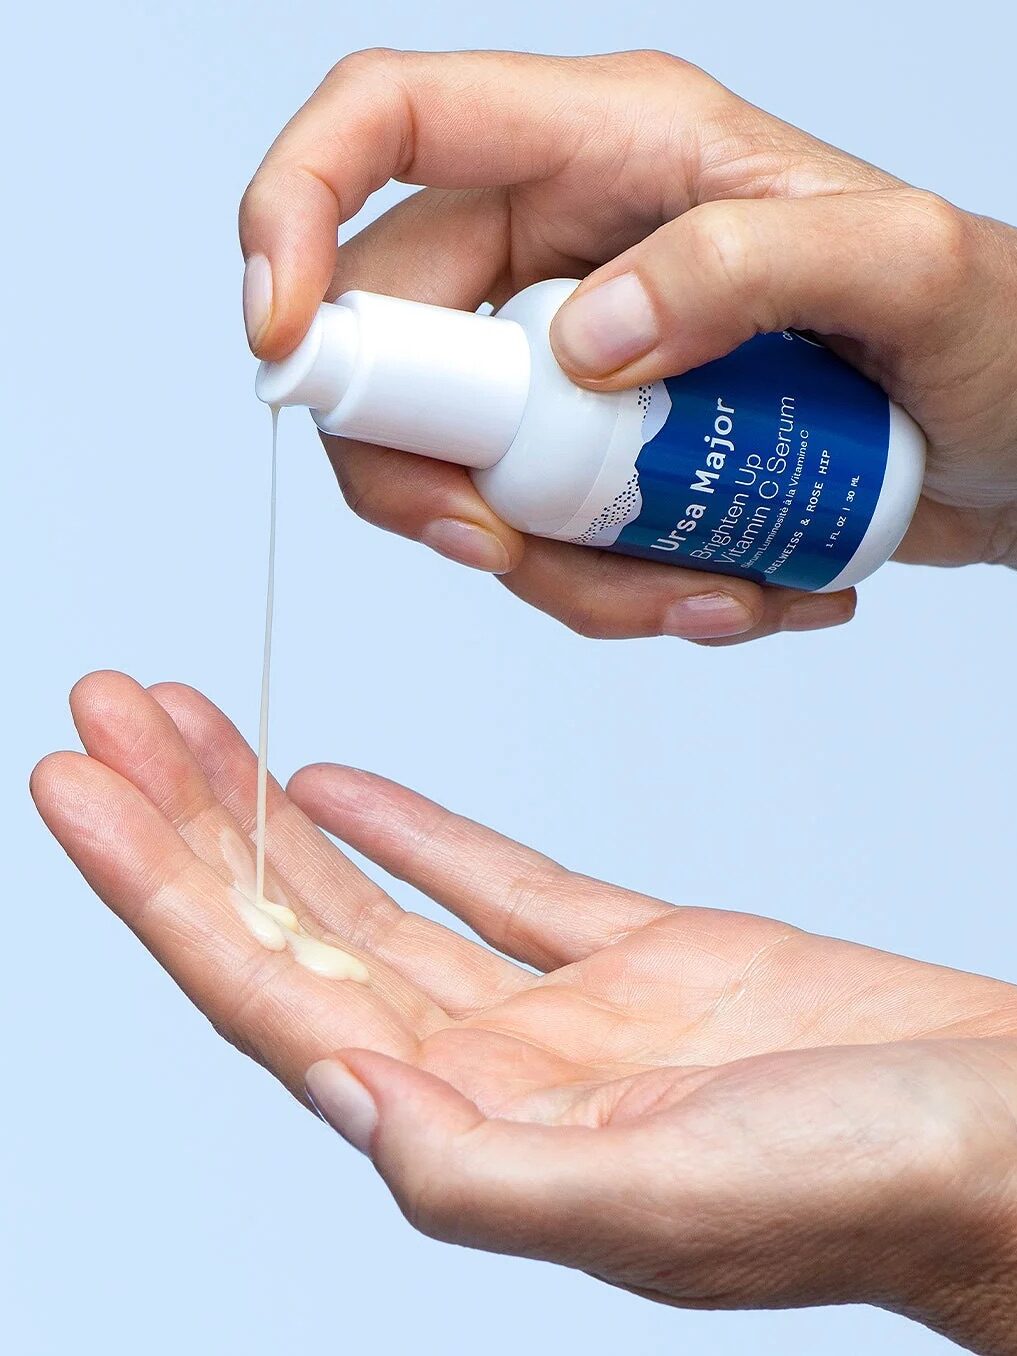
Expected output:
(731, 221)
(707, 1108)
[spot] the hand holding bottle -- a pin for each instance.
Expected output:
(703, 221)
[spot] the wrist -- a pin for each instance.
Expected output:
(978, 1314)
(959, 1269)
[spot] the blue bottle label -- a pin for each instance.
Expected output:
(768, 466)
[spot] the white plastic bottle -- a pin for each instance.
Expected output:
(778, 463)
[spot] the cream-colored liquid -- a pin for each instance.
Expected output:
(271, 921)
(266, 668)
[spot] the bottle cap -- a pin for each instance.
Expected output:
(446, 384)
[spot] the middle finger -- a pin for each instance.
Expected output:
(460, 975)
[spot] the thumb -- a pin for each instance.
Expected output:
(880, 268)
(461, 1177)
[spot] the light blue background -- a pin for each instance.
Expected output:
(163, 1194)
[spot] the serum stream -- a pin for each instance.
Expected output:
(273, 923)
(266, 672)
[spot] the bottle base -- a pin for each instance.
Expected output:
(902, 486)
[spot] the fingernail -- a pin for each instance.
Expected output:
(257, 297)
(707, 616)
(342, 1102)
(466, 543)
(605, 328)
(812, 614)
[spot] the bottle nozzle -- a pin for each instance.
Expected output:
(318, 371)
(442, 383)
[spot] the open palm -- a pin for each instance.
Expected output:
(706, 1051)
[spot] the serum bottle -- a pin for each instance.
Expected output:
(777, 463)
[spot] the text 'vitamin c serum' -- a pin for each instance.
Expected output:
(778, 463)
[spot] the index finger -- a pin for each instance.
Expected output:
(443, 119)
(454, 119)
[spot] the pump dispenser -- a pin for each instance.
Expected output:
(402, 374)
(778, 463)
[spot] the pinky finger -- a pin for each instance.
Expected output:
(611, 597)
(785, 610)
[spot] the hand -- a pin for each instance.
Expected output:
(726, 222)
(708, 1108)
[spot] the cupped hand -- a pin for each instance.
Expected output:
(708, 1108)
(723, 221)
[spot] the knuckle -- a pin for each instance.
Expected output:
(651, 59)
(241, 1019)
(244, 211)
(723, 246)
(249, 204)
(656, 63)
(1001, 545)
(432, 1205)
(527, 899)
(368, 62)
(364, 495)
(596, 608)
(583, 616)
(940, 240)
(271, 186)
